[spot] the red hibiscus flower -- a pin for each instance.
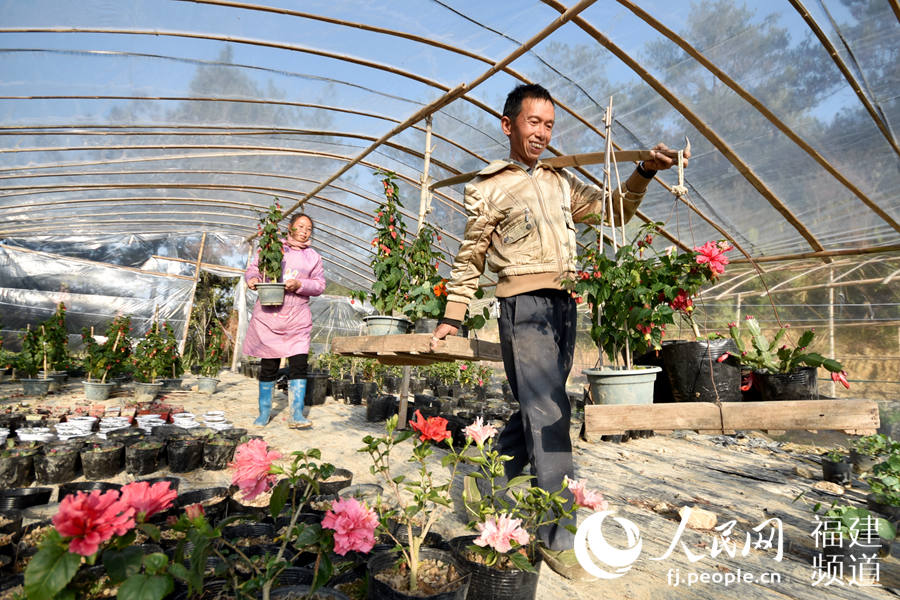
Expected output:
(432, 428)
(91, 519)
(146, 499)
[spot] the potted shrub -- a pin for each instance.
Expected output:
(782, 372)
(867, 450)
(390, 291)
(835, 467)
(120, 359)
(884, 481)
(270, 255)
(56, 346)
(427, 295)
(31, 359)
(148, 362)
(216, 352)
(98, 360)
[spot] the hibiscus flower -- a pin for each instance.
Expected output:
(585, 497)
(146, 499)
(714, 254)
(251, 464)
(497, 532)
(432, 428)
(479, 432)
(354, 525)
(91, 519)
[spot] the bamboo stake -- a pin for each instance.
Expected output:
(115, 346)
(44, 351)
(190, 305)
(424, 190)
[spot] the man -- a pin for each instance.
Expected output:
(521, 222)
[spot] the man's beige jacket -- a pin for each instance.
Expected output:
(523, 226)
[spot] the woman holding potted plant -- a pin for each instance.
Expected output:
(284, 330)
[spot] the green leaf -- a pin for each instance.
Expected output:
(146, 587)
(156, 562)
(180, 571)
(519, 480)
(152, 531)
(521, 562)
(122, 564)
(279, 497)
(50, 570)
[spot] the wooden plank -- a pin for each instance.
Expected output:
(788, 415)
(413, 344)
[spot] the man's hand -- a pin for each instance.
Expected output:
(252, 283)
(292, 285)
(440, 332)
(663, 157)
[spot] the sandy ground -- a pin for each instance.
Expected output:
(745, 479)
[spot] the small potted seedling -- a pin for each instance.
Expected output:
(835, 467)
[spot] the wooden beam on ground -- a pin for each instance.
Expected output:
(612, 419)
(415, 348)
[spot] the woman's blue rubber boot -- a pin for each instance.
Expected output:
(296, 396)
(265, 402)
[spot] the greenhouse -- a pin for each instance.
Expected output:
(159, 157)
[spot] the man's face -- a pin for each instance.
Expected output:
(529, 133)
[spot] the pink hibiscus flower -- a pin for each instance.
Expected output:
(353, 524)
(146, 499)
(585, 497)
(497, 532)
(251, 464)
(91, 519)
(479, 432)
(713, 253)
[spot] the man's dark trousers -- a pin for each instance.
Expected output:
(537, 339)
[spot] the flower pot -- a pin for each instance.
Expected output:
(367, 390)
(316, 388)
(146, 392)
(270, 294)
(863, 463)
(56, 465)
(235, 433)
(174, 482)
(695, 373)
(425, 325)
(384, 561)
(796, 385)
(353, 393)
(171, 383)
(621, 386)
(489, 583)
(36, 387)
(384, 325)
(340, 479)
(207, 385)
(214, 501)
(247, 531)
(217, 453)
(94, 391)
(16, 470)
(103, 462)
(378, 409)
(85, 486)
(184, 454)
(367, 492)
(20, 498)
(836, 472)
(142, 458)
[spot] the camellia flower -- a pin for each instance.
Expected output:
(497, 532)
(353, 523)
(251, 468)
(194, 511)
(91, 519)
(585, 497)
(432, 428)
(146, 499)
(841, 378)
(479, 431)
(714, 254)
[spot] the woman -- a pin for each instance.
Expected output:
(277, 331)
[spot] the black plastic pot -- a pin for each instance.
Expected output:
(353, 393)
(56, 464)
(797, 385)
(214, 501)
(487, 583)
(379, 408)
(836, 472)
(10, 529)
(174, 482)
(340, 479)
(391, 384)
(16, 470)
(316, 388)
(429, 406)
(19, 498)
(218, 453)
(233, 434)
(874, 503)
(384, 561)
(695, 373)
(184, 455)
(863, 463)
(141, 460)
(126, 435)
(85, 486)
(103, 462)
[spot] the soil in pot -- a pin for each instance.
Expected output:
(102, 461)
(837, 472)
(217, 453)
(301, 592)
(56, 464)
(440, 577)
(142, 458)
(185, 454)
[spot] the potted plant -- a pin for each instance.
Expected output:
(390, 291)
(781, 372)
(120, 359)
(148, 363)
(56, 345)
(848, 535)
(216, 352)
(866, 451)
(835, 467)
(270, 255)
(31, 359)
(884, 481)
(427, 295)
(98, 360)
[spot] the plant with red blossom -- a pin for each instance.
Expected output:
(252, 468)
(270, 243)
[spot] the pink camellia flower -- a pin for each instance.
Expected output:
(353, 523)
(251, 468)
(146, 499)
(497, 532)
(714, 254)
(479, 431)
(91, 519)
(585, 497)
(194, 511)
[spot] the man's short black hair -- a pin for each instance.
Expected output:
(513, 105)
